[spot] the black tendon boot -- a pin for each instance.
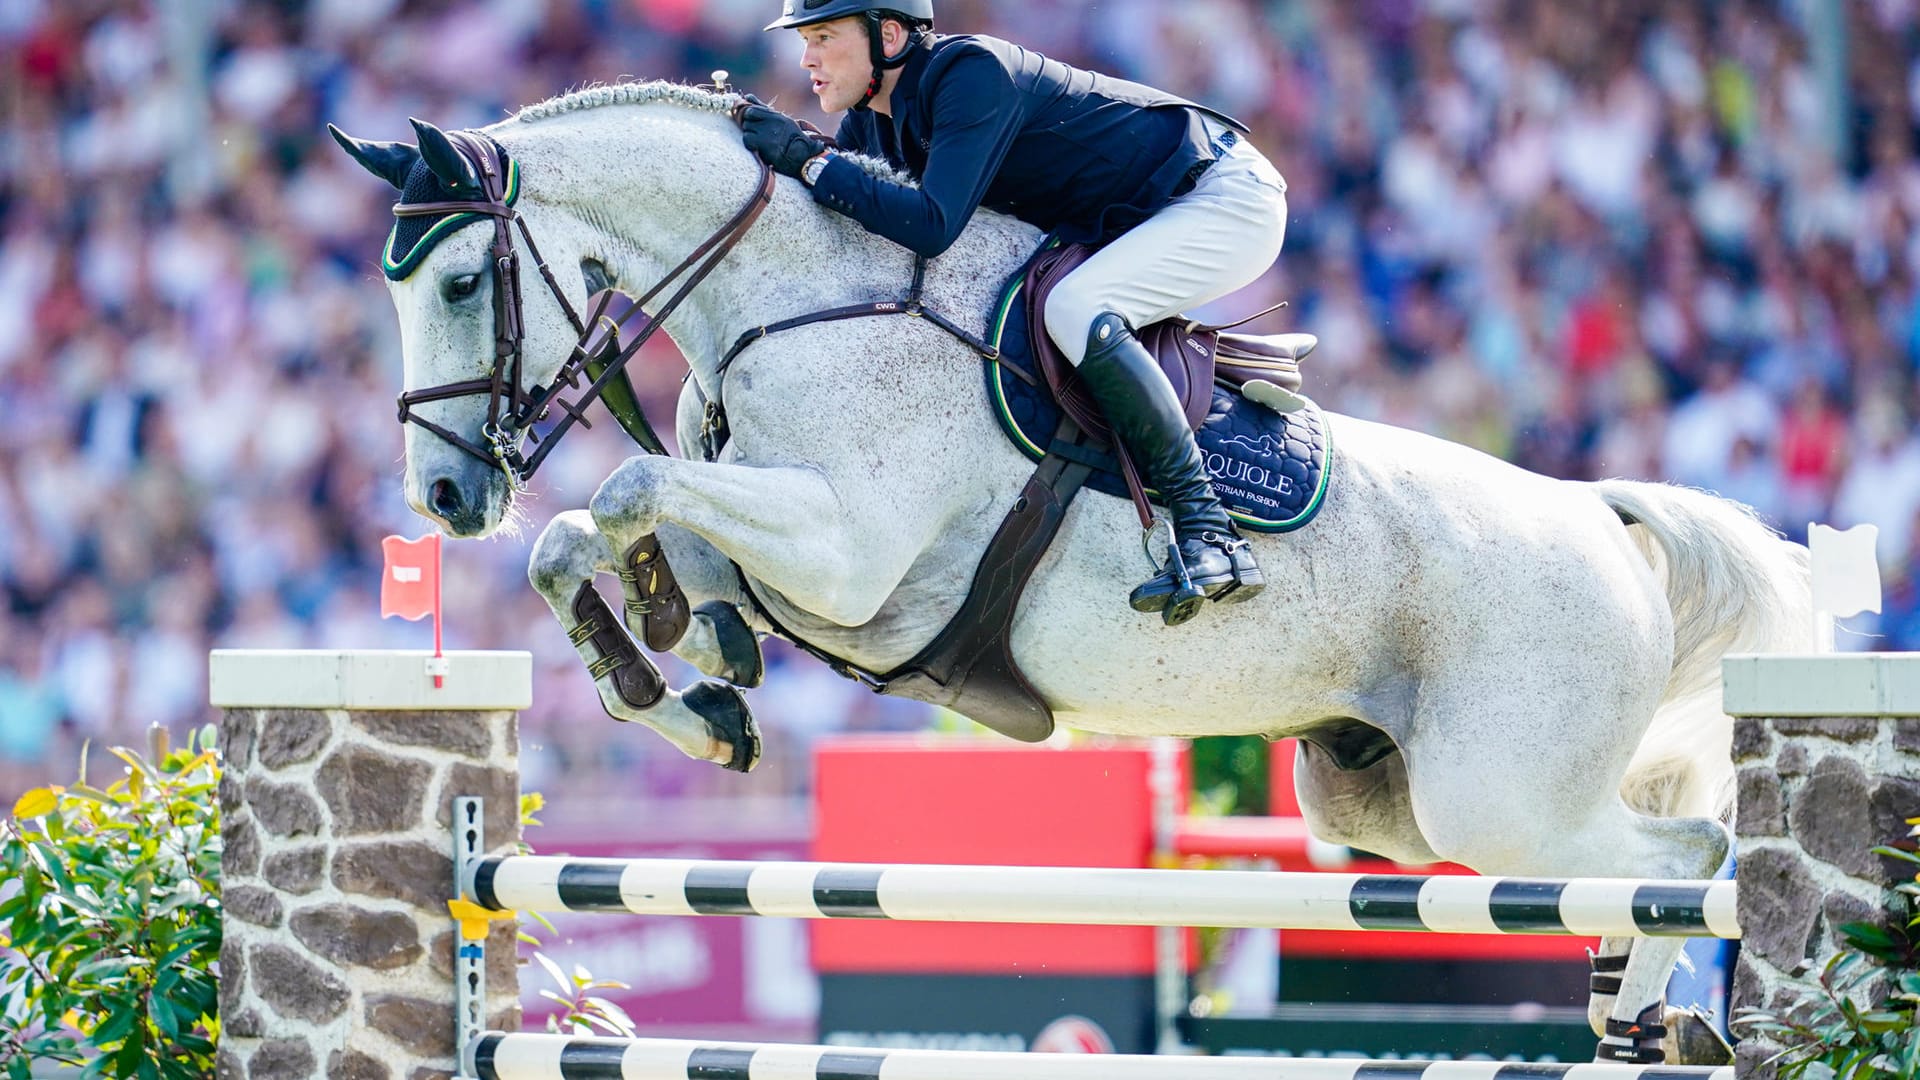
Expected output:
(1207, 559)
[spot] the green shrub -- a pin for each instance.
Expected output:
(1829, 1034)
(1230, 774)
(110, 919)
(110, 923)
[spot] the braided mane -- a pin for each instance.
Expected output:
(662, 92)
(630, 93)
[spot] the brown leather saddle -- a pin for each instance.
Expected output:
(1193, 357)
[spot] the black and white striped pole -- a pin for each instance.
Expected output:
(1090, 896)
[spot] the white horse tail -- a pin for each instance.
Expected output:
(1734, 586)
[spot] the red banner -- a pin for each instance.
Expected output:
(410, 586)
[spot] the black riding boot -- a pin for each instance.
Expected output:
(1207, 560)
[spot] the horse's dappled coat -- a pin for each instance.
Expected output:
(1503, 632)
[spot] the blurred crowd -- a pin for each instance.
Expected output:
(1650, 238)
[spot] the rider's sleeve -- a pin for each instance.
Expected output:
(976, 115)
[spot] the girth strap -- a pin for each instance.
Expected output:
(969, 666)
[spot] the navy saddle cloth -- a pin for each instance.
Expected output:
(1270, 469)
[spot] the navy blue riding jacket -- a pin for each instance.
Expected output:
(983, 122)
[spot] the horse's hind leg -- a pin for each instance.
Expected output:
(1630, 1020)
(709, 722)
(1518, 772)
(1368, 808)
(1652, 1032)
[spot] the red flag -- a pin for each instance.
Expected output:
(410, 587)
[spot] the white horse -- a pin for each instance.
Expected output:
(1486, 666)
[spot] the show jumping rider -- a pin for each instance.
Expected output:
(1188, 209)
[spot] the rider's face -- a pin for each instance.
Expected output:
(836, 56)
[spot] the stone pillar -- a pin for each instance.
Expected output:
(1827, 750)
(336, 815)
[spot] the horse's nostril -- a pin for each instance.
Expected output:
(443, 498)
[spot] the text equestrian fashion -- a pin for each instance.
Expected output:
(1187, 210)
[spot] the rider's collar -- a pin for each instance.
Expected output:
(415, 236)
(908, 84)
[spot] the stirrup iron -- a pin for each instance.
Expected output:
(1187, 598)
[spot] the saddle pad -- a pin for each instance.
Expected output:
(1270, 469)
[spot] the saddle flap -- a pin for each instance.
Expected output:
(1185, 352)
(1292, 346)
(1275, 358)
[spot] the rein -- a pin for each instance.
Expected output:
(513, 410)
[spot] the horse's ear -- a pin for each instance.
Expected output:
(390, 161)
(447, 163)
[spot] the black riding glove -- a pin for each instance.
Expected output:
(779, 139)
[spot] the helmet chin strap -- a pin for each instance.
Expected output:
(882, 63)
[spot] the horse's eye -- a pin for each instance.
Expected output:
(463, 286)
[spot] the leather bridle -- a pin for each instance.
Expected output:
(601, 353)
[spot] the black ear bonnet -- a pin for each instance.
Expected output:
(414, 237)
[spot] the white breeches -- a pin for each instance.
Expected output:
(1207, 243)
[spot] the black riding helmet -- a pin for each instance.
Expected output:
(916, 15)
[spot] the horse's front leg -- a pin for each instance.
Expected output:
(836, 558)
(709, 721)
(722, 639)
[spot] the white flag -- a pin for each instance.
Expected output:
(1846, 576)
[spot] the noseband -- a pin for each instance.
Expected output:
(598, 355)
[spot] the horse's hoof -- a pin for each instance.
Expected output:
(728, 721)
(738, 647)
(1693, 1039)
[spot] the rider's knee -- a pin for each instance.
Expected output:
(1071, 312)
